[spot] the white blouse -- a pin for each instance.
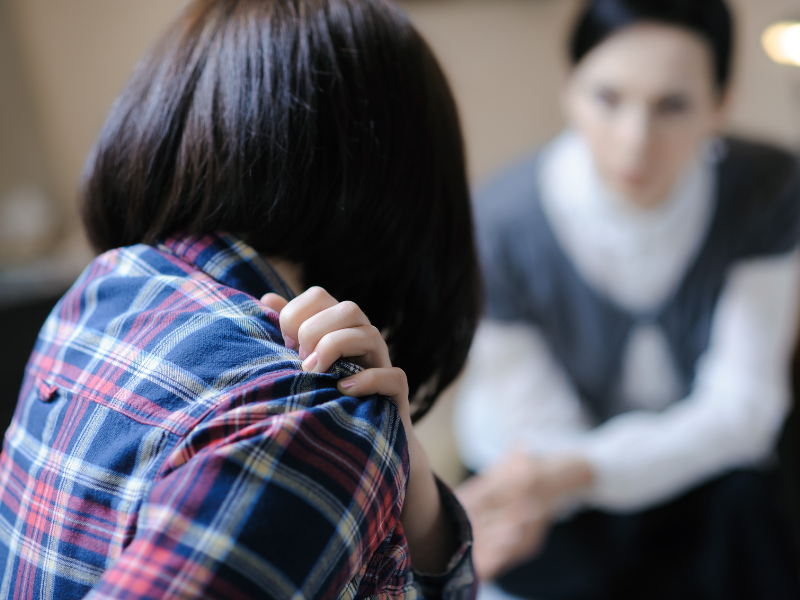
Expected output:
(516, 394)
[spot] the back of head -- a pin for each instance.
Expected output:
(320, 131)
(710, 19)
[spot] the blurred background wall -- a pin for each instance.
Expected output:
(63, 62)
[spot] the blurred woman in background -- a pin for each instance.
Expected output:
(642, 301)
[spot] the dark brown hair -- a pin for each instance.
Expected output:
(320, 131)
(710, 19)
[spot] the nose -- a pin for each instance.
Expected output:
(636, 131)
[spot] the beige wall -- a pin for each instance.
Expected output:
(76, 56)
(504, 58)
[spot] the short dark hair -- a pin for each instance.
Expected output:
(710, 19)
(320, 131)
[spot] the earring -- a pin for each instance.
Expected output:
(716, 149)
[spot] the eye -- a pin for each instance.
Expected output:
(608, 98)
(673, 105)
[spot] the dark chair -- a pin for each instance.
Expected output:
(19, 326)
(789, 453)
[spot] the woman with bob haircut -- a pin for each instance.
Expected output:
(642, 282)
(168, 440)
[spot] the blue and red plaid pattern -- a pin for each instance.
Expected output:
(167, 445)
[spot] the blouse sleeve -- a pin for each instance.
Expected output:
(735, 411)
(514, 393)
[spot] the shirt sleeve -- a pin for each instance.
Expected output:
(514, 393)
(735, 411)
(391, 574)
(458, 582)
(261, 505)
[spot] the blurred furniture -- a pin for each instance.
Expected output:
(20, 323)
(789, 454)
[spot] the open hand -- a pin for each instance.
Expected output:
(512, 505)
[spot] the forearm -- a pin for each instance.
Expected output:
(566, 476)
(431, 535)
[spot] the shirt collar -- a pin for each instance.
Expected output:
(230, 261)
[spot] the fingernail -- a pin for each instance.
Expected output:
(289, 342)
(310, 362)
(347, 383)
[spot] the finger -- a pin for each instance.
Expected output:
(504, 534)
(361, 345)
(488, 563)
(485, 494)
(274, 302)
(301, 308)
(499, 495)
(507, 545)
(471, 493)
(490, 555)
(391, 382)
(515, 520)
(514, 478)
(343, 315)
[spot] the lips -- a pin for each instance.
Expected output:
(633, 179)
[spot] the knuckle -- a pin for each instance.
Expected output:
(315, 292)
(288, 321)
(323, 346)
(330, 344)
(290, 310)
(374, 334)
(320, 297)
(400, 377)
(350, 308)
(305, 333)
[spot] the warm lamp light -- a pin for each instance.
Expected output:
(782, 42)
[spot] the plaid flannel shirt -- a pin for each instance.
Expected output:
(167, 445)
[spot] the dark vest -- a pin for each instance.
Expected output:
(529, 278)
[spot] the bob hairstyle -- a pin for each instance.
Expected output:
(710, 19)
(320, 131)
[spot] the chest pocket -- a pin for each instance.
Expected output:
(81, 471)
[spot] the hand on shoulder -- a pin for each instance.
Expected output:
(323, 330)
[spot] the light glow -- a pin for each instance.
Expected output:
(782, 42)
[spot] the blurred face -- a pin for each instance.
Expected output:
(645, 100)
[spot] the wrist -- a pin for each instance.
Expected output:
(430, 534)
(569, 475)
